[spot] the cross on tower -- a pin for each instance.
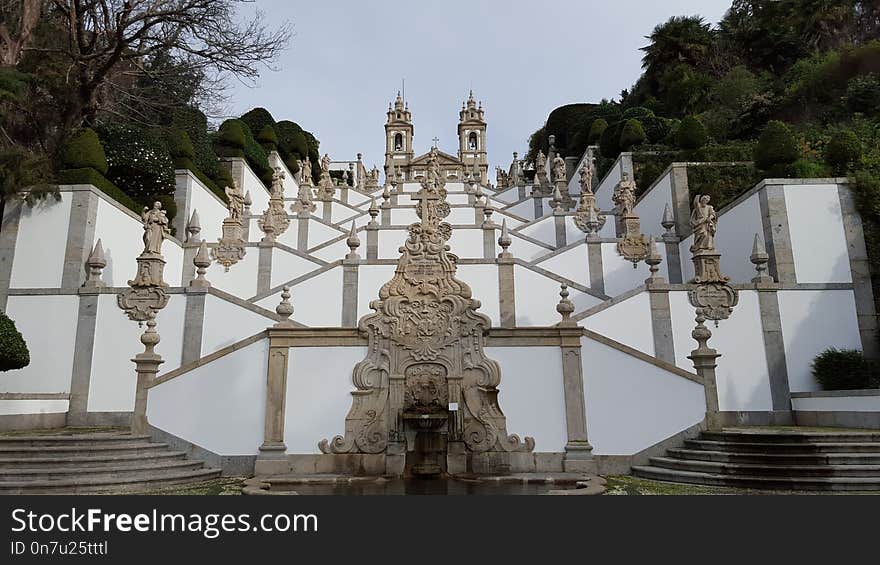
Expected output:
(436, 140)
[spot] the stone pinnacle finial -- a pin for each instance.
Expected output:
(557, 201)
(701, 333)
(759, 258)
(487, 215)
(565, 307)
(653, 259)
(668, 223)
(504, 241)
(386, 197)
(150, 338)
(373, 210)
(247, 199)
(202, 261)
(285, 308)
(194, 227)
(353, 243)
(96, 263)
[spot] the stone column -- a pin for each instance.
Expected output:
(193, 324)
(147, 366)
(578, 451)
(488, 234)
(327, 211)
(704, 359)
(264, 266)
(8, 238)
(559, 224)
(661, 321)
(190, 247)
(84, 345)
(506, 289)
(776, 234)
(302, 231)
(681, 199)
(350, 281)
(272, 459)
(594, 261)
(539, 204)
(80, 236)
(861, 273)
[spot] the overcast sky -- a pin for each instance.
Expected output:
(522, 59)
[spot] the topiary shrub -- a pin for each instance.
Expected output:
(842, 150)
(230, 139)
(180, 146)
(195, 124)
(597, 128)
(632, 134)
(844, 369)
(268, 139)
(637, 113)
(776, 148)
(257, 118)
(863, 94)
(13, 349)
(84, 149)
(609, 141)
(691, 134)
(138, 161)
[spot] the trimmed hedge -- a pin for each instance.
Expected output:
(691, 134)
(268, 138)
(236, 140)
(777, 147)
(84, 149)
(13, 349)
(723, 183)
(844, 369)
(88, 175)
(180, 146)
(257, 119)
(597, 128)
(843, 150)
(631, 134)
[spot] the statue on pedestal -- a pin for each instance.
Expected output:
(147, 295)
(712, 293)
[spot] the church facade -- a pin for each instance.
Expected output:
(400, 159)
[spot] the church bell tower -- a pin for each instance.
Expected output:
(398, 137)
(472, 138)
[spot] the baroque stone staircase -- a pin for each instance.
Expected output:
(72, 461)
(775, 459)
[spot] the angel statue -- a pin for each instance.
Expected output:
(704, 223)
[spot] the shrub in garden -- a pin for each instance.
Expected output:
(138, 161)
(842, 150)
(632, 134)
(13, 349)
(777, 147)
(84, 150)
(268, 139)
(691, 134)
(597, 128)
(844, 369)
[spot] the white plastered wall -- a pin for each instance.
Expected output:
(211, 212)
(742, 374)
(818, 241)
(318, 394)
(628, 322)
(838, 403)
(736, 236)
(619, 274)
(812, 321)
(652, 204)
(632, 404)
(240, 279)
(571, 264)
(531, 394)
(41, 244)
(48, 325)
(219, 406)
(537, 296)
(226, 323)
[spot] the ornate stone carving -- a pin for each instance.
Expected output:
(306, 172)
(230, 248)
(501, 178)
(540, 183)
(713, 293)
(304, 203)
(372, 181)
(426, 342)
(280, 221)
(147, 295)
(633, 245)
(588, 217)
(326, 188)
(515, 173)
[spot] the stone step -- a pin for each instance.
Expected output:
(80, 450)
(777, 458)
(758, 482)
(72, 440)
(135, 483)
(123, 459)
(751, 469)
(53, 473)
(767, 447)
(791, 436)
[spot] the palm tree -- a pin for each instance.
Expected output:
(682, 39)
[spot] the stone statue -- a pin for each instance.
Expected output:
(325, 163)
(541, 162)
(235, 202)
(586, 180)
(704, 223)
(625, 196)
(155, 228)
(558, 168)
(306, 172)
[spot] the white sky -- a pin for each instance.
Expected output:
(522, 59)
